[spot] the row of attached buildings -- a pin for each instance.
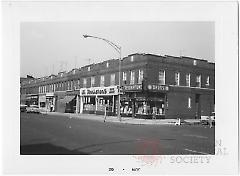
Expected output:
(167, 86)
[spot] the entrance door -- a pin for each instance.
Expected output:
(198, 106)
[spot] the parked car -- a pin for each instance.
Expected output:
(23, 108)
(205, 119)
(33, 109)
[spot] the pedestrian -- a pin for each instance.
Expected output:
(210, 121)
(154, 113)
(105, 114)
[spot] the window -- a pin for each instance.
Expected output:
(92, 81)
(78, 84)
(84, 82)
(132, 58)
(189, 102)
(140, 76)
(68, 85)
(208, 81)
(112, 80)
(89, 68)
(102, 81)
(107, 64)
(194, 62)
(71, 85)
(188, 80)
(124, 76)
(177, 79)
(132, 77)
(198, 81)
(74, 71)
(161, 77)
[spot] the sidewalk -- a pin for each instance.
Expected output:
(125, 120)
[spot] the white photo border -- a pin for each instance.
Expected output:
(224, 14)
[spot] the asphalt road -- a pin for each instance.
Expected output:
(56, 135)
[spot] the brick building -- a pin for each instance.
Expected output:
(167, 86)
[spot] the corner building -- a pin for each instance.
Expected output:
(166, 86)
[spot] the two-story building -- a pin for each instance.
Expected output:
(167, 86)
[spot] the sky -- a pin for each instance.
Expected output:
(50, 47)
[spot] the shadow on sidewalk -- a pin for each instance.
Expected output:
(47, 149)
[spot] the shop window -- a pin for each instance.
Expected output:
(198, 81)
(84, 82)
(188, 80)
(189, 102)
(177, 79)
(92, 81)
(161, 77)
(132, 77)
(124, 76)
(140, 76)
(112, 80)
(102, 79)
(208, 81)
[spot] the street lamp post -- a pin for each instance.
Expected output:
(119, 50)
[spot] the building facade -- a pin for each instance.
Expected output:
(163, 86)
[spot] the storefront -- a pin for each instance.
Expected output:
(42, 101)
(50, 101)
(31, 99)
(94, 100)
(147, 104)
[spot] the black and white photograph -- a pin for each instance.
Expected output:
(85, 94)
(129, 87)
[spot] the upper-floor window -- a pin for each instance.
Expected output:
(112, 80)
(89, 68)
(132, 77)
(207, 81)
(78, 84)
(74, 71)
(102, 79)
(124, 76)
(92, 81)
(84, 82)
(107, 64)
(140, 76)
(188, 80)
(132, 58)
(68, 85)
(198, 81)
(194, 62)
(189, 102)
(177, 78)
(161, 77)
(71, 85)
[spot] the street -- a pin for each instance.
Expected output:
(54, 134)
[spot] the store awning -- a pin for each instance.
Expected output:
(68, 98)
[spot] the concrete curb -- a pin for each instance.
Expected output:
(113, 119)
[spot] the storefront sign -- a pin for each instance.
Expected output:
(155, 87)
(113, 90)
(134, 87)
(50, 94)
